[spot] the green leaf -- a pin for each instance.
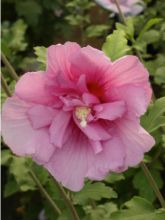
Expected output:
(6, 156)
(150, 37)
(148, 25)
(103, 211)
(11, 187)
(128, 28)
(159, 76)
(141, 183)
(19, 169)
(65, 215)
(154, 118)
(154, 65)
(18, 40)
(114, 177)
(40, 52)
(96, 30)
(116, 45)
(95, 191)
(138, 209)
(13, 37)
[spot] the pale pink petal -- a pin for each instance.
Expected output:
(135, 140)
(20, 136)
(58, 128)
(58, 59)
(94, 130)
(136, 98)
(137, 9)
(110, 111)
(41, 116)
(111, 158)
(128, 70)
(127, 6)
(31, 87)
(69, 164)
(96, 145)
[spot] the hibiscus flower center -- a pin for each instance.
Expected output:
(82, 113)
(95, 89)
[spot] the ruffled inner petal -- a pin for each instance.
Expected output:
(41, 116)
(110, 111)
(94, 130)
(58, 128)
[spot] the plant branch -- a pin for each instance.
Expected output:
(9, 67)
(153, 184)
(44, 192)
(5, 86)
(67, 201)
(120, 11)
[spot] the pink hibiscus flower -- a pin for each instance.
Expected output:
(127, 6)
(80, 118)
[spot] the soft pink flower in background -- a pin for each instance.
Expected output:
(127, 6)
(80, 118)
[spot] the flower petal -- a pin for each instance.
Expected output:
(41, 116)
(89, 99)
(20, 136)
(128, 70)
(96, 145)
(69, 164)
(135, 140)
(58, 128)
(110, 111)
(93, 69)
(58, 59)
(137, 9)
(127, 7)
(136, 98)
(111, 158)
(94, 130)
(31, 87)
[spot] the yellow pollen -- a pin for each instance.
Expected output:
(82, 114)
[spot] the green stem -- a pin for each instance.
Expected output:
(9, 67)
(5, 86)
(120, 11)
(67, 201)
(153, 184)
(45, 194)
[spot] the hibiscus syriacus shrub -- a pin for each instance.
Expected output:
(88, 122)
